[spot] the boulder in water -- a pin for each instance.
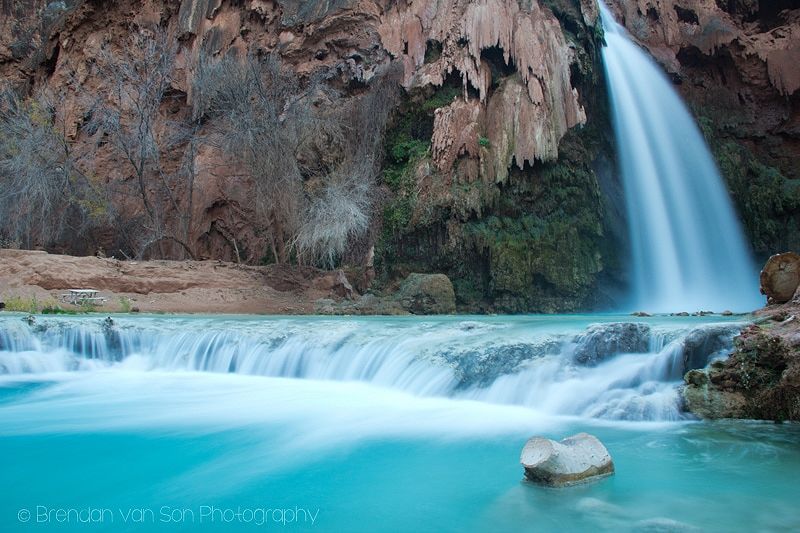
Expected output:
(602, 341)
(701, 344)
(780, 277)
(427, 294)
(576, 459)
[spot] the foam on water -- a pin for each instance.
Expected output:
(631, 372)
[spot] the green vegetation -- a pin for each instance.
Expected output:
(441, 97)
(484, 141)
(767, 202)
(31, 305)
(408, 142)
(125, 305)
(18, 304)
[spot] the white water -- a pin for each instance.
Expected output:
(687, 244)
(580, 366)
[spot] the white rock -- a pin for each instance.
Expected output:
(576, 459)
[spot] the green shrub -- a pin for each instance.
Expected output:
(125, 305)
(18, 304)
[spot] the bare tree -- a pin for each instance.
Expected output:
(250, 103)
(129, 117)
(44, 197)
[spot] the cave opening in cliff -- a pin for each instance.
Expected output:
(433, 51)
(688, 16)
(494, 56)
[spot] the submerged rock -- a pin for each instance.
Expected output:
(481, 367)
(577, 459)
(602, 341)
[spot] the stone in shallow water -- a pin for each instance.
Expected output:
(576, 459)
(602, 341)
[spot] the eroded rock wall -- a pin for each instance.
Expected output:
(497, 187)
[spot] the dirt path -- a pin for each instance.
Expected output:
(167, 286)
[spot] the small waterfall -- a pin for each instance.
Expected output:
(619, 370)
(687, 244)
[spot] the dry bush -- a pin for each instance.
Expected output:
(342, 209)
(313, 155)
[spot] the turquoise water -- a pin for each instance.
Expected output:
(154, 446)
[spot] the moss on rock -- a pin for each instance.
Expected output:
(767, 202)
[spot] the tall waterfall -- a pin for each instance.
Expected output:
(688, 249)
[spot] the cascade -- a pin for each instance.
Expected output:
(688, 249)
(557, 365)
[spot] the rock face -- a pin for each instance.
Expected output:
(780, 277)
(505, 88)
(577, 459)
(535, 113)
(602, 341)
(427, 294)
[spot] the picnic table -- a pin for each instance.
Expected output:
(82, 297)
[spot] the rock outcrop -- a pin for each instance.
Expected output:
(427, 294)
(780, 277)
(577, 459)
(760, 379)
(419, 294)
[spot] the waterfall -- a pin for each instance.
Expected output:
(556, 365)
(687, 245)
